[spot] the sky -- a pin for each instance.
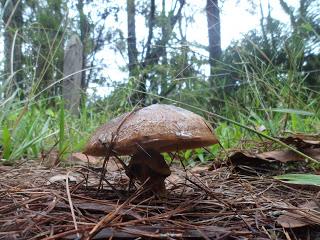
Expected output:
(235, 18)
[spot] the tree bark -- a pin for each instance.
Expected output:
(213, 19)
(143, 79)
(131, 40)
(133, 54)
(71, 87)
(84, 35)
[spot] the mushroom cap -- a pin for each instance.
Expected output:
(161, 127)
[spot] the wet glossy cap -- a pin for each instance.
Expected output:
(160, 127)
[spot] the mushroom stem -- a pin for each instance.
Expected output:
(150, 166)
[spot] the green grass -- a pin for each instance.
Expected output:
(31, 127)
(27, 131)
(271, 96)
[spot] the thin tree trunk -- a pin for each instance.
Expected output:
(153, 53)
(133, 53)
(131, 40)
(143, 80)
(84, 35)
(213, 19)
(164, 62)
(71, 86)
(159, 50)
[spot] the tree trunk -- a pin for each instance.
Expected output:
(131, 40)
(213, 19)
(133, 53)
(71, 87)
(153, 54)
(143, 79)
(13, 21)
(153, 51)
(159, 48)
(84, 36)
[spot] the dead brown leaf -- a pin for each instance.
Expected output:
(291, 221)
(299, 218)
(283, 156)
(302, 141)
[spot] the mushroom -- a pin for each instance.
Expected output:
(146, 133)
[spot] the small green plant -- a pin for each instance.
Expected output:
(61, 129)
(6, 141)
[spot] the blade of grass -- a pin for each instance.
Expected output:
(6, 140)
(61, 127)
(301, 179)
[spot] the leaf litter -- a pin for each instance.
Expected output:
(270, 160)
(37, 202)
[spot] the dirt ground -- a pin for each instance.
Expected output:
(37, 202)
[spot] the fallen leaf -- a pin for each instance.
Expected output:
(310, 205)
(51, 158)
(174, 178)
(300, 179)
(283, 156)
(294, 220)
(291, 220)
(302, 141)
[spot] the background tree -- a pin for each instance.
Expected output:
(132, 39)
(160, 58)
(94, 34)
(305, 24)
(155, 47)
(45, 37)
(214, 34)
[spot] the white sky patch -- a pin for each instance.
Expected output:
(235, 21)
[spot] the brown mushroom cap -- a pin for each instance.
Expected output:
(164, 128)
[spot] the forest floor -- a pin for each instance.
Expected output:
(232, 200)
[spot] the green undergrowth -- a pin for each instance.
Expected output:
(267, 98)
(31, 129)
